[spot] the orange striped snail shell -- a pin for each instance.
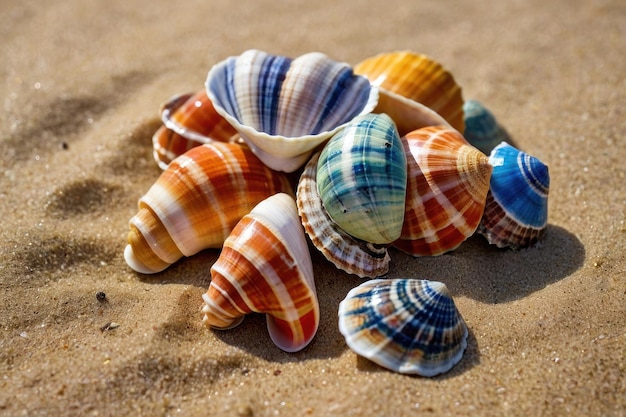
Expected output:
(196, 202)
(189, 120)
(265, 267)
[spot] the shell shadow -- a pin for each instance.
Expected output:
(133, 156)
(59, 122)
(251, 335)
(506, 137)
(156, 370)
(477, 270)
(492, 275)
(470, 359)
(502, 135)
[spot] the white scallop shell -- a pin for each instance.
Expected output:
(284, 108)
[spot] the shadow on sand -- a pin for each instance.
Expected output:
(492, 275)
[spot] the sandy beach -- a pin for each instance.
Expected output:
(82, 85)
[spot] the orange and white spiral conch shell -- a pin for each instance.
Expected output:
(265, 267)
(196, 202)
(448, 181)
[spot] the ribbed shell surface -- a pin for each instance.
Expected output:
(167, 145)
(516, 213)
(405, 325)
(196, 118)
(345, 252)
(196, 202)
(446, 192)
(419, 78)
(265, 267)
(283, 107)
(361, 179)
(189, 120)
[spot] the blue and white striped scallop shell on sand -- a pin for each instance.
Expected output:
(284, 108)
(516, 211)
(409, 326)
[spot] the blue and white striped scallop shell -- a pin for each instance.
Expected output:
(282, 107)
(409, 326)
(516, 212)
(362, 179)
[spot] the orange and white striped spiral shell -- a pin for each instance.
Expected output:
(265, 267)
(196, 202)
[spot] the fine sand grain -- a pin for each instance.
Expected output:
(82, 84)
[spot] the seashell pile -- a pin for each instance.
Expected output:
(381, 162)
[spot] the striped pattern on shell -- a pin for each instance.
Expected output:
(196, 202)
(284, 108)
(516, 212)
(361, 179)
(446, 191)
(265, 267)
(351, 255)
(406, 325)
(189, 120)
(481, 127)
(419, 78)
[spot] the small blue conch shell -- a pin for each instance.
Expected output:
(481, 127)
(409, 326)
(516, 213)
(283, 108)
(361, 179)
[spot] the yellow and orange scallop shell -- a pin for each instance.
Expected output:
(419, 78)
